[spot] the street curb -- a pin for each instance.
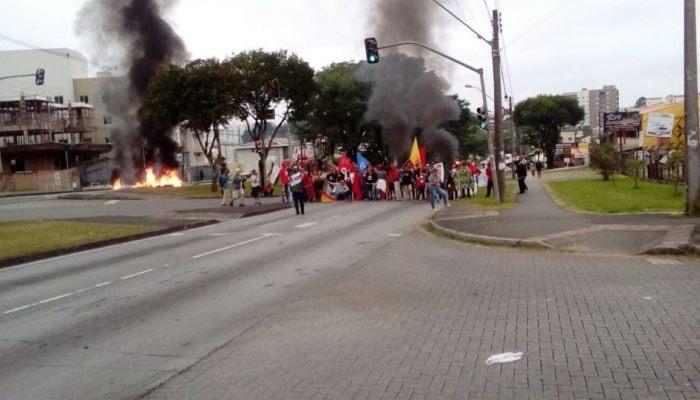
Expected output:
(676, 241)
(491, 240)
(23, 194)
(283, 206)
(103, 243)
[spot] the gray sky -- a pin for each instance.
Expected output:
(552, 46)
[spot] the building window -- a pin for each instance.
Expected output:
(107, 119)
(84, 99)
(58, 99)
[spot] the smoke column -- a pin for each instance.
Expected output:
(408, 99)
(134, 35)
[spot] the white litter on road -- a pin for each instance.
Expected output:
(503, 358)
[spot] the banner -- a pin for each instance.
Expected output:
(274, 174)
(362, 162)
(660, 124)
(625, 124)
(415, 153)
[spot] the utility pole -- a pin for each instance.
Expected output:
(498, 106)
(516, 144)
(692, 150)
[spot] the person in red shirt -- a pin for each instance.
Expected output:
(489, 180)
(284, 181)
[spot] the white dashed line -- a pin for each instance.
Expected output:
(102, 284)
(177, 234)
(394, 235)
(663, 261)
(306, 225)
(109, 203)
(53, 299)
(137, 274)
(263, 236)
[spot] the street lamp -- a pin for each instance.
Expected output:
(479, 89)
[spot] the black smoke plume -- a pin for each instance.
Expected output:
(409, 99)
(134, 35)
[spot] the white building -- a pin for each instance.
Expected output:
(61, 67)
(595, 102)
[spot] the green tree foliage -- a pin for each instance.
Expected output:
(338, 110)
(604, 159)
(676, 163)
(547, 115)
(202, 96)
(254, 70)
(472, 139)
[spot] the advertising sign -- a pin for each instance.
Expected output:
(660, 124)
(625, 124)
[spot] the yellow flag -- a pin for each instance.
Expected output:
(415, 153)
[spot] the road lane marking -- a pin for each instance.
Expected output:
(102, 284)
(663, 261)
(261, 237)
(110, 202)
(176, 234)
(17, 309)
(394, 235)
(53, 299)
(137, 274)
(306, 225)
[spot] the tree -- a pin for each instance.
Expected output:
(471, 138)
(338, 113)
(604, 159)
(202, 96)
(547, 115)
(633, 165)
(270, 81)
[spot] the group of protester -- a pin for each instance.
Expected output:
(303, 182)
(308, 183)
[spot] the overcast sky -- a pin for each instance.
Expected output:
(552, 46)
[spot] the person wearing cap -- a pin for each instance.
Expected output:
(297, 188)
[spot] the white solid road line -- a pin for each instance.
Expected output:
(137, 274)
(263, 236)
(306, 225)
(17, 309)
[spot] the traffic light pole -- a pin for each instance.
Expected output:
(492, 148)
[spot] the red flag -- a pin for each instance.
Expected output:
(423, 157)
(345, 162)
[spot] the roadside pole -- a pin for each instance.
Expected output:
(500, 181)
(496, 178)
(516, 144)
(692, 150)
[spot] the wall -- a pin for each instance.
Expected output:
(61, 67)
(97, 90)
(43, 181)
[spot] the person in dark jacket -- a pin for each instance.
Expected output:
(521, 173)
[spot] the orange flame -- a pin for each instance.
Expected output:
(167, 178)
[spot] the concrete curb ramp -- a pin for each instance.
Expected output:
(678, 240)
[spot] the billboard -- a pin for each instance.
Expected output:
(660, 124)
(622, 124)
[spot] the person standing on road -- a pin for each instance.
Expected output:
(521, 173)
(284, 181)
(225, 185)
(255, 186)
(406, 178)
(435, 189)
(297, 188)
(538, 167)
(237, 186)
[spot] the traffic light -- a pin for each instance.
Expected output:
(481, 116)
(39, 77)
(372, 50)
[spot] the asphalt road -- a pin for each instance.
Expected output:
(114, 322)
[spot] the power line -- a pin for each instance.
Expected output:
(558, 8)
(56, 53)
(488, 12)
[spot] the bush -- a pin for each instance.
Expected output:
(604, 159)
(633, 166)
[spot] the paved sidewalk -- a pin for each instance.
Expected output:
(537, 221)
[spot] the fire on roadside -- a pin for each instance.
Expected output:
(151, 180)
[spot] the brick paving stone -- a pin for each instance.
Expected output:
(417, 319)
